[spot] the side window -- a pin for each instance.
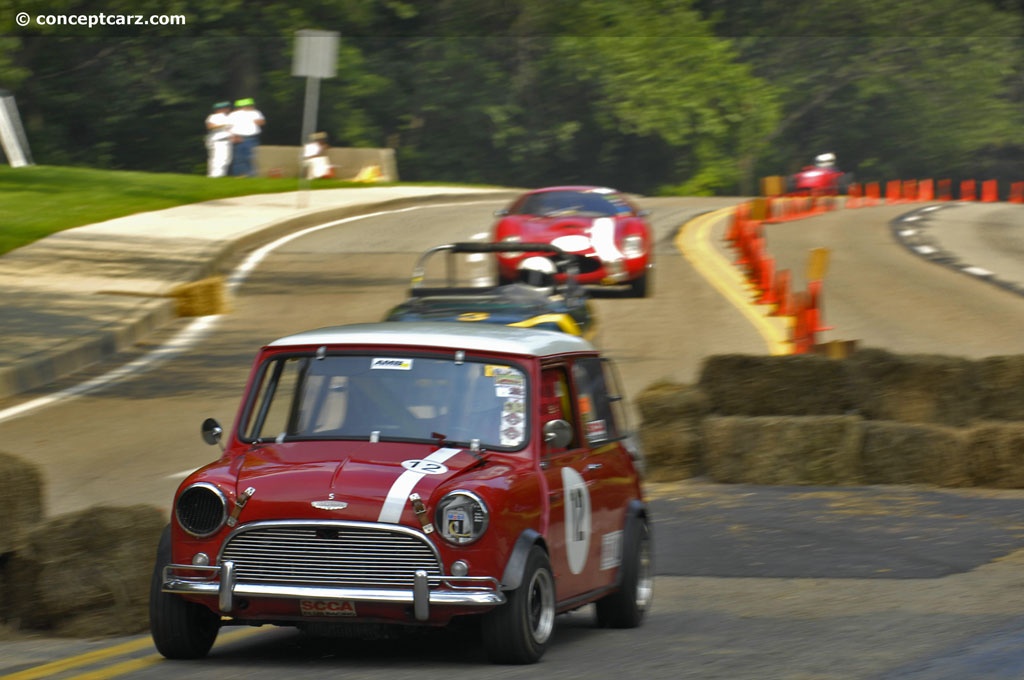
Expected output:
(597, 408)
(556, 399)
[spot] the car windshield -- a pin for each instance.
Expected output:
(389, 396)
(557, 203)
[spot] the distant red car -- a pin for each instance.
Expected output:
(386, 476)
(608, 236)
(821, 179)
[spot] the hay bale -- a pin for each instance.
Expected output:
(87, 573)
(200, 298)
(668, 402)
(670, 431)
(914, 453)
(672, 451)
(791, 385)
(994, 453)
(21, 500)
(922, 388)
(783, 450)
(1000, 387)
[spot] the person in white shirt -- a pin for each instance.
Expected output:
(218, 141)
(246, 124)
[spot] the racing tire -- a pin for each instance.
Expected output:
(180, 629)
(626, 607)
(518, 631)
(640, 286)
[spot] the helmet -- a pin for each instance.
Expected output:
(825, 160)
(538, 272)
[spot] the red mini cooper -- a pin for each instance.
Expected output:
(388, 475)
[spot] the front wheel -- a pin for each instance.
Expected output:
(625, 608)
(180, 629)
(518, 631)
(641, 286)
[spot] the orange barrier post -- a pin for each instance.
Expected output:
(968, 190)
(746, 230)
(853, 195)
(910, 190)
(800, 335)
(757, 256)
(872, 194)
(926, 190)
(738, 217)
(990, 191)
(945, 189)
(814, 302)
(766, 282)
(893, 191)
(1017, 192)
(783, 295)
(749, 246)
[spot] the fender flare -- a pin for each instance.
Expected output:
(513, 576)
(636, 515)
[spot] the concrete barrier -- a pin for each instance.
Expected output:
(348, 163)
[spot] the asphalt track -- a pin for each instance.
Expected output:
(743, 558)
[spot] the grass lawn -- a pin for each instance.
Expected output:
(37, 201)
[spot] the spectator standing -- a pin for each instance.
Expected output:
(218, 141)
(246, 124)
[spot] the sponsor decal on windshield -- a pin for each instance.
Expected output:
(391, 364)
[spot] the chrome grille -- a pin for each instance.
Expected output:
(330, 555)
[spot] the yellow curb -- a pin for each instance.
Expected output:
(693, 240)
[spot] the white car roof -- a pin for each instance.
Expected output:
(456, 335)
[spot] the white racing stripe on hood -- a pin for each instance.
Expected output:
(602, 237)
(398, 496)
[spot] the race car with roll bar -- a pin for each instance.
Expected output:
(544, 294)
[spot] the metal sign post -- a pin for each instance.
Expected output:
(13, 141)
(316, 57)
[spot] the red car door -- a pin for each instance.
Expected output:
(588, 485)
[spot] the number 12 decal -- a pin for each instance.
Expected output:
(577, 519)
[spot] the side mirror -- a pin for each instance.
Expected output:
(557, 433)
(212, 431)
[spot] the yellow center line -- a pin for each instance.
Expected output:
(694, 242)
(100, 655)
(119, 668)
(55, 667)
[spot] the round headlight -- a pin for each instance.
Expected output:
(633, 246)
(461, 517)
(201, 509)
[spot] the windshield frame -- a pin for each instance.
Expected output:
(253, 415)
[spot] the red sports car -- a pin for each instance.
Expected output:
(601, 228)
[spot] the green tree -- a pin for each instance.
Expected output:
(895, 89)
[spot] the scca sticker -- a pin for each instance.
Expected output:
(391, 364)
(327, 608)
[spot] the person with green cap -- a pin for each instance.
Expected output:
(218, 141)
(246, 124)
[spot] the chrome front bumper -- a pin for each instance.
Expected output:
(481, 591)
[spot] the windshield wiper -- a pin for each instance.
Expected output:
(473, 450)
